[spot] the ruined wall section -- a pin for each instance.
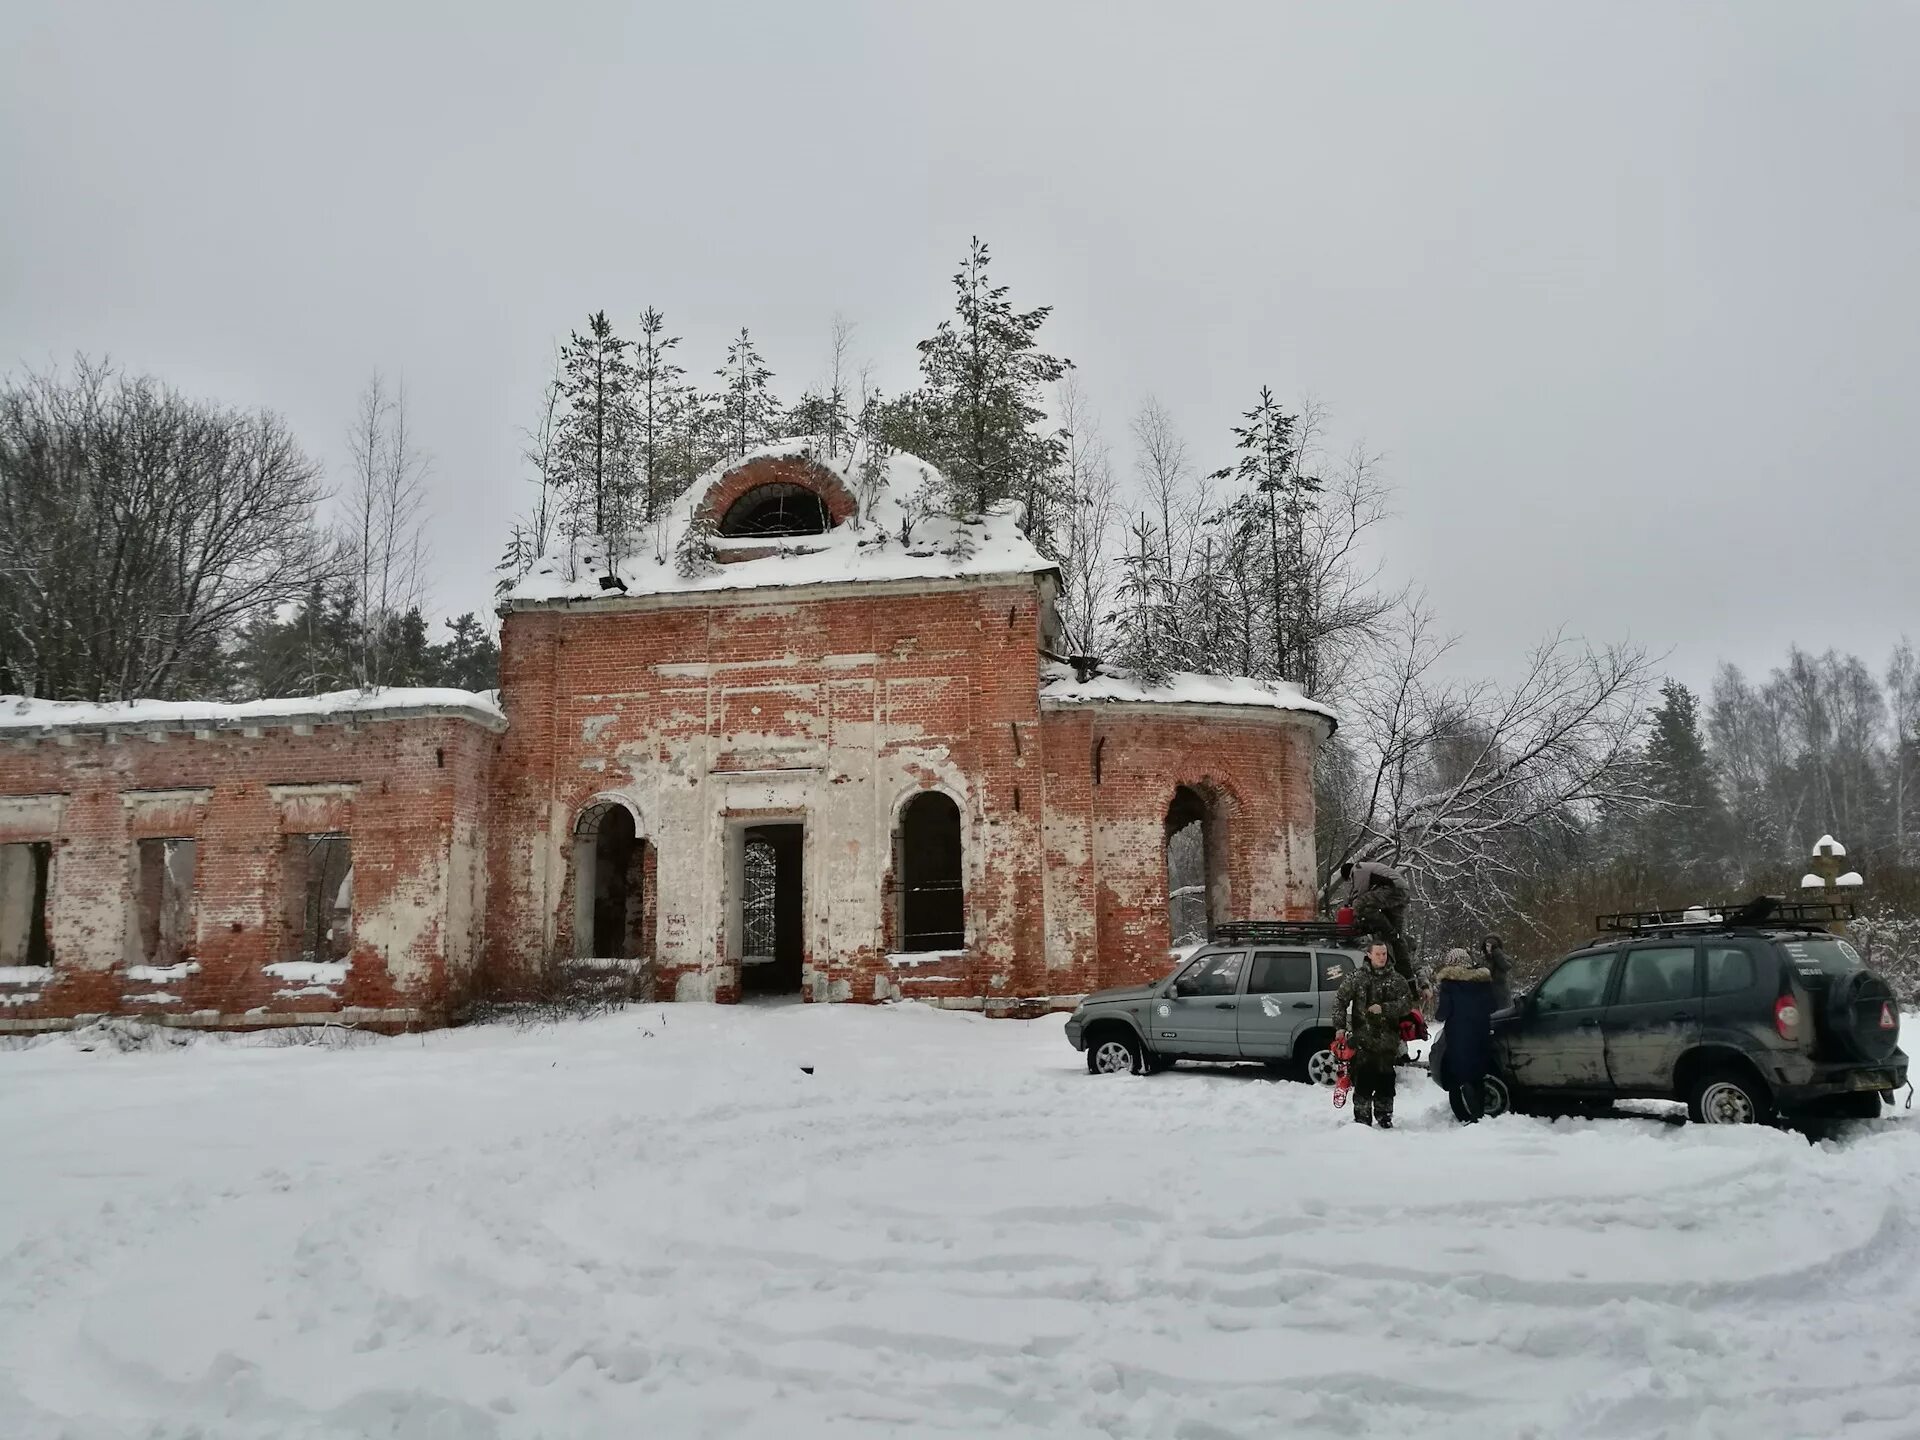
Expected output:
(409, 792)
(703, 714)
(1111, 773)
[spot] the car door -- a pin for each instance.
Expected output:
(1334, 968)
(1279, 1003)
(1654, 1017)
(1556, 1042)
(1199, 1013)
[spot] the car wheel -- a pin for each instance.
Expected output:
(1116, 1053)
(1321, 1068)
(1499, 1099)
(1726, 1097)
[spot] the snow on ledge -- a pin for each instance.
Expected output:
(912, 959)
(309, 972)
(1058, 686)
(25, 974)
(18, 713)
(163, 974)
(868, 548)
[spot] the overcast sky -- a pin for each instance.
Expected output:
(1626, 294)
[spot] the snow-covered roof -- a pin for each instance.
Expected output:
(20, 715)
(1059, 686)
(868, 548)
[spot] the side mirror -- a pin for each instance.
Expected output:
(1180, 988)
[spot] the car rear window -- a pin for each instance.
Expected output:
(1280, 972)
(1821, 954)
(1334, 969)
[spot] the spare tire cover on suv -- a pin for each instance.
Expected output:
(1862, 1015)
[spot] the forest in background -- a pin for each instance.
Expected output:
(155, 544)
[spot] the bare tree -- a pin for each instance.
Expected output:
(1467, 786)
(1089, 498)
(1903, 697)
(139, 531)
(386, 502)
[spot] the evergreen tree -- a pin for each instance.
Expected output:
(1268, 521)
(660, 406)
(978, 414)
(746, 401)
(598, 389)
(469, 659)
(1140, 623)
(1685, 834)
(309, 650)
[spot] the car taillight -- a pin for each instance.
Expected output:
(1786, 1018)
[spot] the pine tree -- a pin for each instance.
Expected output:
(596, 432)
(746, 402)
(870, 476)
(660, 403)
(1686, 832)
(978, 414)
(1268, 521)
(1141, 620)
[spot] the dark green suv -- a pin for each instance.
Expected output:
(1746, 1013)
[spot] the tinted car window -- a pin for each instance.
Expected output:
(1578, 984)
(1730, 970)
(1334, 969)
(1213, 974)
(1280, 972)
(1657, 974)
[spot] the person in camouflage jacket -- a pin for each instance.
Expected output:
(1368, 1010)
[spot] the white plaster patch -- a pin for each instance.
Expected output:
(157, 997)
(594, 726)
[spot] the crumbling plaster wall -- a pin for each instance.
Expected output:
(706, 715)
(410, 793)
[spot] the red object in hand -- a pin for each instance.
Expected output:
(1343, 917)
(1414, 1027)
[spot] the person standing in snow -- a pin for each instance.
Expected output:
(1493, 954)
(1378, 896)
(1368, 1010)
(1466, 1007)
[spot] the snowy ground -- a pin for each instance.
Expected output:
(659, 1225)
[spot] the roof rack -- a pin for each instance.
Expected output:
(1760, 910)
(1253, 932)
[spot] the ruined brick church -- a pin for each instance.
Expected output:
(808, 737)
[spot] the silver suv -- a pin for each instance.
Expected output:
(1260, 990)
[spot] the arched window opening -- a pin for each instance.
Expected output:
(609, 877)
(774, 510)
(932, 895)
(1192, 880)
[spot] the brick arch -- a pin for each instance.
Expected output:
(1224, 865)
(735, 484)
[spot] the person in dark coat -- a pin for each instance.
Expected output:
(1378, 894)
(1466, 1006)
(1493, 954)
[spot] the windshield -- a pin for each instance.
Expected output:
(1821, 954)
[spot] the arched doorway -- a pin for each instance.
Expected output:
(1194, 878)
(933, 905)
(609, 884)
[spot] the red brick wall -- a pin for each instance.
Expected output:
(729, 710)
(1111, 775)
(410, 793)
(707, 712)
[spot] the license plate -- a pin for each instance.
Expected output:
(1870, 1080)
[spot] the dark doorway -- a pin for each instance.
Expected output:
(1189, 867)
(772, 913)
(24, 872)
(932, 897)
(610, 885)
